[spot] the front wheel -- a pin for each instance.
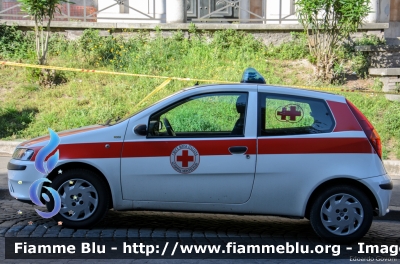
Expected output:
(341, 214)
(84, 198)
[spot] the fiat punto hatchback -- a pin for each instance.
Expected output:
(245, 148)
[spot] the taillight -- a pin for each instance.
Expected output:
(368, 128)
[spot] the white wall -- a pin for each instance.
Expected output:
(272, 11)
(379, 14)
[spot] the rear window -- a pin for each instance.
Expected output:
(282, 115)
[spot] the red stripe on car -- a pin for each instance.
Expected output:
(313, 145)
(86, 151)
(204, 147)
(214, 147)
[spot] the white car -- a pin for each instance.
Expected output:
(245, 148)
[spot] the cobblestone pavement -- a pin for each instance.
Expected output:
(182, 225)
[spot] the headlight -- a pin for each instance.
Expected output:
(23, 154)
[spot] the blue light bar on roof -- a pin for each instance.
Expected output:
(250, 75)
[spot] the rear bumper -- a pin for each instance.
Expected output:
(381, 187)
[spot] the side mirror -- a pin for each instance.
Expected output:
(140, 130)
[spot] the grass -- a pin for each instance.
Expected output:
(220, 114)
(27, 110)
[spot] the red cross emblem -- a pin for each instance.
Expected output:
(291, 111)
(185, 158)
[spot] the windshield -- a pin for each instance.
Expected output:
(117, 120)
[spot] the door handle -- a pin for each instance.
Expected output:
(238, 150)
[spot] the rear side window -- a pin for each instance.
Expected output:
(282, 115)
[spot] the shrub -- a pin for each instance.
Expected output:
(292, 50)
(360, 61)
(327, 23)
(98, 50)
(14, 43)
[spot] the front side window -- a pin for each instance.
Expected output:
(282, 115)
(217, 114)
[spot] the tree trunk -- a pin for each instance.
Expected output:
(37, 40)
(324, 69)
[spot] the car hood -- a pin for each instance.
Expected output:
(41, 141)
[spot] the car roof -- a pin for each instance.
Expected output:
(277, 89)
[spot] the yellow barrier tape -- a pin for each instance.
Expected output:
(165, 83)
(9, 63)
(105, 72)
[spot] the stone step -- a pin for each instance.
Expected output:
(384, 71)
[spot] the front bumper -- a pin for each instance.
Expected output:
(380, 187)
(21, 175)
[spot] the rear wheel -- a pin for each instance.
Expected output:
(341, 214)
(84, 198)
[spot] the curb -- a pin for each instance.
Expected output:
(392, 166)
(8, 146)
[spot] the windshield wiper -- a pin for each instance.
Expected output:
(109, 121)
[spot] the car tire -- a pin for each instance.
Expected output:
(341, 214)
(84, 198)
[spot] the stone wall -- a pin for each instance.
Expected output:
(385, 64)
(274, 34)
(384, 56)
(392, 83)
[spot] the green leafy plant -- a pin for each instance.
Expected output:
(41, 10)
(339, 73)
(192, 29)
(327, 23)
(15, 43)
(397, 88)
(366, 40)
(360, 64)
(230, 38)
(378, 84)
(98, 50)
(58, 44)
(360, 61)
(294, 49)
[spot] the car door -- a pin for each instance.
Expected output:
(294, 150)
(199, 149)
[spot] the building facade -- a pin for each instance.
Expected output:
(198, 11)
